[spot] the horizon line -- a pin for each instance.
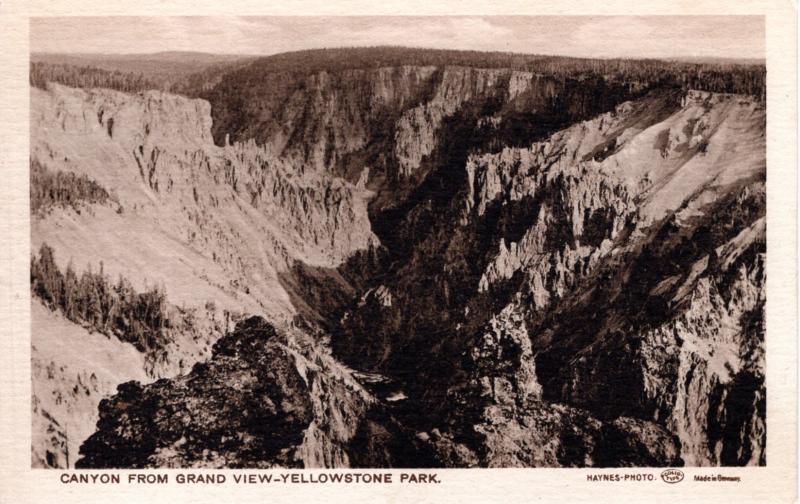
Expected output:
(686, 59)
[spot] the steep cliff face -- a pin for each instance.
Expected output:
(522, 270)
(154, 152)
(577, 276)
(385, 127)
(215, 227)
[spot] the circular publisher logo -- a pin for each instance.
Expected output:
(672, 476)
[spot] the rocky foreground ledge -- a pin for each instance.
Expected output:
(250, 405)
(257, 404)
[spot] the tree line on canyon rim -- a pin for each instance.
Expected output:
(200, 80)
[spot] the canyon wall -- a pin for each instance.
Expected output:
(214, 227)
(515, 270)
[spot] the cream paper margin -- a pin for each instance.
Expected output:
(774, 483)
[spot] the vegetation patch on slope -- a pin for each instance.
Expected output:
(94, 301)
(49, 189)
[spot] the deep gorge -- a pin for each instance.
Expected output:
(450, 266)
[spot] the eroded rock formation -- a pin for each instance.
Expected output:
(517, 270)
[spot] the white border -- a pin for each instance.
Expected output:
(774, 483)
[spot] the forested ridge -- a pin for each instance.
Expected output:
(89, 77)
(248, 94)
(196, 78)
(723, 77)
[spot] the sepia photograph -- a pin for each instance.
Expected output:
(371, 242)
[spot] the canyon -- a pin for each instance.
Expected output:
(408, 266)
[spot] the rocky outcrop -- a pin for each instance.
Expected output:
(501, 419)
(553, 435)
(262, 400)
